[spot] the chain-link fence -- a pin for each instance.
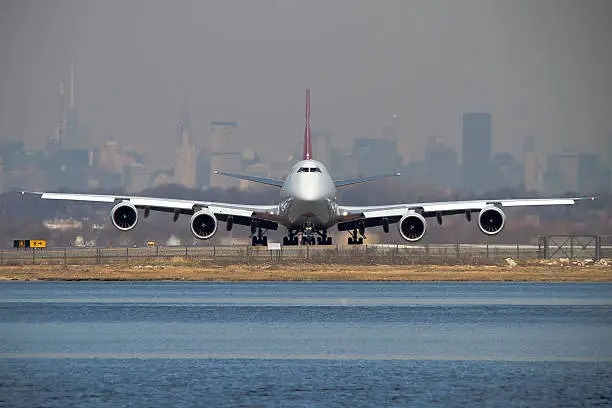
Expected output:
(572, 247)
(362, 254)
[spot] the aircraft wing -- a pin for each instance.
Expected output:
(342, 183)
(373, 214)
(241, 213)
(262, 180)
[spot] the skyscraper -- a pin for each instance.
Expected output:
(185, 154)
(225, 154)
(73, 137)
(476, 151)
(441, 164)
(321, 144)
(531, 171)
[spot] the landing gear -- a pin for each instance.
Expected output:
(291, 240)
(355, 239)
(260, 238)
(307, 240)
(309, 237)
(260, 241)
(324, 240)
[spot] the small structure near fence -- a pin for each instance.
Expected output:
(573, 246)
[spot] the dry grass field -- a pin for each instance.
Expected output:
(179, 269)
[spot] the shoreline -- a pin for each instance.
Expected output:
(536, 272)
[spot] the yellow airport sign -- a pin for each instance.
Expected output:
(29, 243)
(38, 243)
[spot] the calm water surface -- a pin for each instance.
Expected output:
(305, 344)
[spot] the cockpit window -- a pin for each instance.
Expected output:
(309, 169)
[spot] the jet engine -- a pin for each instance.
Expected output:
(203, 224)
(412, 227)
(124, 216)
(491, 220)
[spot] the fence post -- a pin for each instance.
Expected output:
(127, 254)
(186, 252)
(487, 251)
(1, 257)
(65, 261)
(33, 255)
(457, 251)
(214, 252)
(518, 255)
(157, 251)
(598, 247)
(98, 255)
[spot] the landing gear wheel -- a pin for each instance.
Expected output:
(350, 241)
(328, 241)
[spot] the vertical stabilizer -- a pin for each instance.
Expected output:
(307, 138)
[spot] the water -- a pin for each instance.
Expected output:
(305, 344)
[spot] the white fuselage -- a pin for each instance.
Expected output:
(308, 197)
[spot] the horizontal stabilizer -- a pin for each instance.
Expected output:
(342, 183)
(262, 180)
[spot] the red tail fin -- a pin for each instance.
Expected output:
(307, 139)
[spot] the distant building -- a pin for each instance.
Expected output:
(376, 156)
(136, 178)
(321, 145)
(185, 153)
(476, 151)
(225, 154)
(609, 162)
(506, 172)
(593, 174)
(441, 163)
(203, 169)
(223, 138)
(1, 176)
(561, 174)
(73, 136)
(531, 170)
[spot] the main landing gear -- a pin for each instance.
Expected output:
(258, 236)
(357, 236)
(308, 238)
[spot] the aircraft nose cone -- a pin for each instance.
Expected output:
(307, 192)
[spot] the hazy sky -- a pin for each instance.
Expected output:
(542, 67)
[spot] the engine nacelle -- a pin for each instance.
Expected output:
(124, 216)
(203, 224)
(491, 220)
(412, 227)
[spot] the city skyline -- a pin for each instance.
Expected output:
(540, 69)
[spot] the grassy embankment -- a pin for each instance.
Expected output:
(179, 269)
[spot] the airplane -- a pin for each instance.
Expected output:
(308, 208)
